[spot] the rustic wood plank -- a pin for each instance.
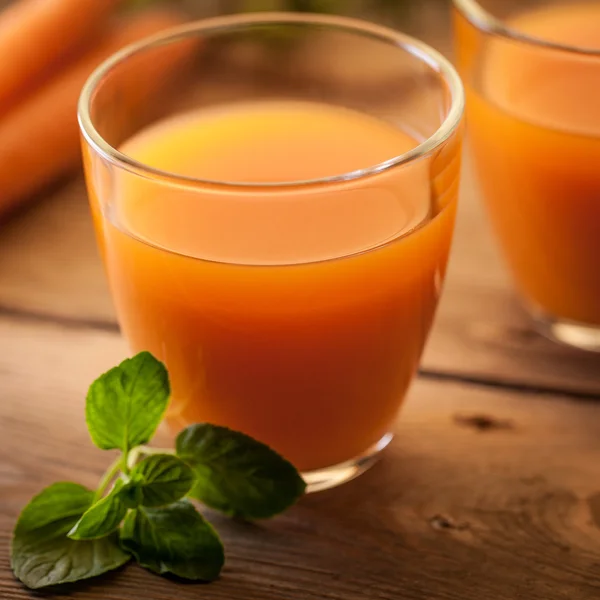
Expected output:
(484, 494)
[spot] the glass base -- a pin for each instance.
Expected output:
(568, 333)
(329, 477)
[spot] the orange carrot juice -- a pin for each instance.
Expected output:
(534, 115)
(294, 313)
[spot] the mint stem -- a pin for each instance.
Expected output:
(123, 464)
(107, 478)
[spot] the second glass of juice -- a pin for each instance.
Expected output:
(276, 220)
(532, 75)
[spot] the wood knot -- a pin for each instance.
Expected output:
(441, 522)
(483, 422)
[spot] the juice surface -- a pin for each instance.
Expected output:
(298, 314)
(534, 117)
(270, 142)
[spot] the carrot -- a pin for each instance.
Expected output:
(39, 139)
(36, 35)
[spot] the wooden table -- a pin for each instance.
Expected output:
(490, 491)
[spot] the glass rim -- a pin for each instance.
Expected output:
(485, 21)
(431, 57)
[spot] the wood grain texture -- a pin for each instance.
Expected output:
(483, 494)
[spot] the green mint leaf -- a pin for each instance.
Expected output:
(236, 474)
(101, 518)
(126, 404)
(42, 554)
(131, 494)
(175, 539)
(162, 479)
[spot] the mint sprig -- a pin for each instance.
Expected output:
(43, 555)
(142, 507)
(176, 540)
(162, 479)
(236, 474)
(102, 517)
(126, 404)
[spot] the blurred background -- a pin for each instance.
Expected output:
(390, 12)
(413, 13)
(427, 19)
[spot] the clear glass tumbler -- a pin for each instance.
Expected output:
(532, 76)
(274, 199)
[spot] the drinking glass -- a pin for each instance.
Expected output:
(532, 77)
(274, 198)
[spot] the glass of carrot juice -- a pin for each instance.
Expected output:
(275, 222)
(532, 76)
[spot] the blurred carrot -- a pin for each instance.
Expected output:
(35, 35)
(39, 139)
